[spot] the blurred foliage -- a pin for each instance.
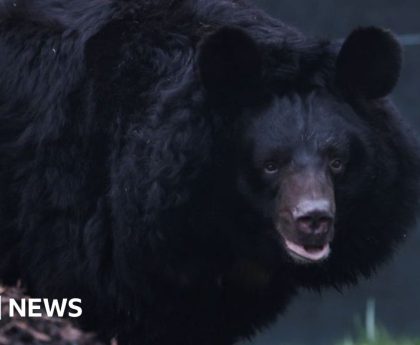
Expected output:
(382, 338)
(371, 334)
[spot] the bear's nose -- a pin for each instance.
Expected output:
(315, 222)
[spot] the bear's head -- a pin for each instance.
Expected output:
(327, 166)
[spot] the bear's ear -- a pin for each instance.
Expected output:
(369, 63)
(230, 65)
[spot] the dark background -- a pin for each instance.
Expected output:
(315, 319)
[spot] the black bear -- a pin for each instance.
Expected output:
(185, 166)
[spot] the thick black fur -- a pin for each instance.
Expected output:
(121, 161)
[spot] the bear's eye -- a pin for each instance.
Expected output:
(336, 165)
(270, 167)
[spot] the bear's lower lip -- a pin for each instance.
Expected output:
(306, 254)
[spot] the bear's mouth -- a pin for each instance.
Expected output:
(307, 253)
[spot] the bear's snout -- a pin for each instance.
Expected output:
(307, 214)
(315, 222)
